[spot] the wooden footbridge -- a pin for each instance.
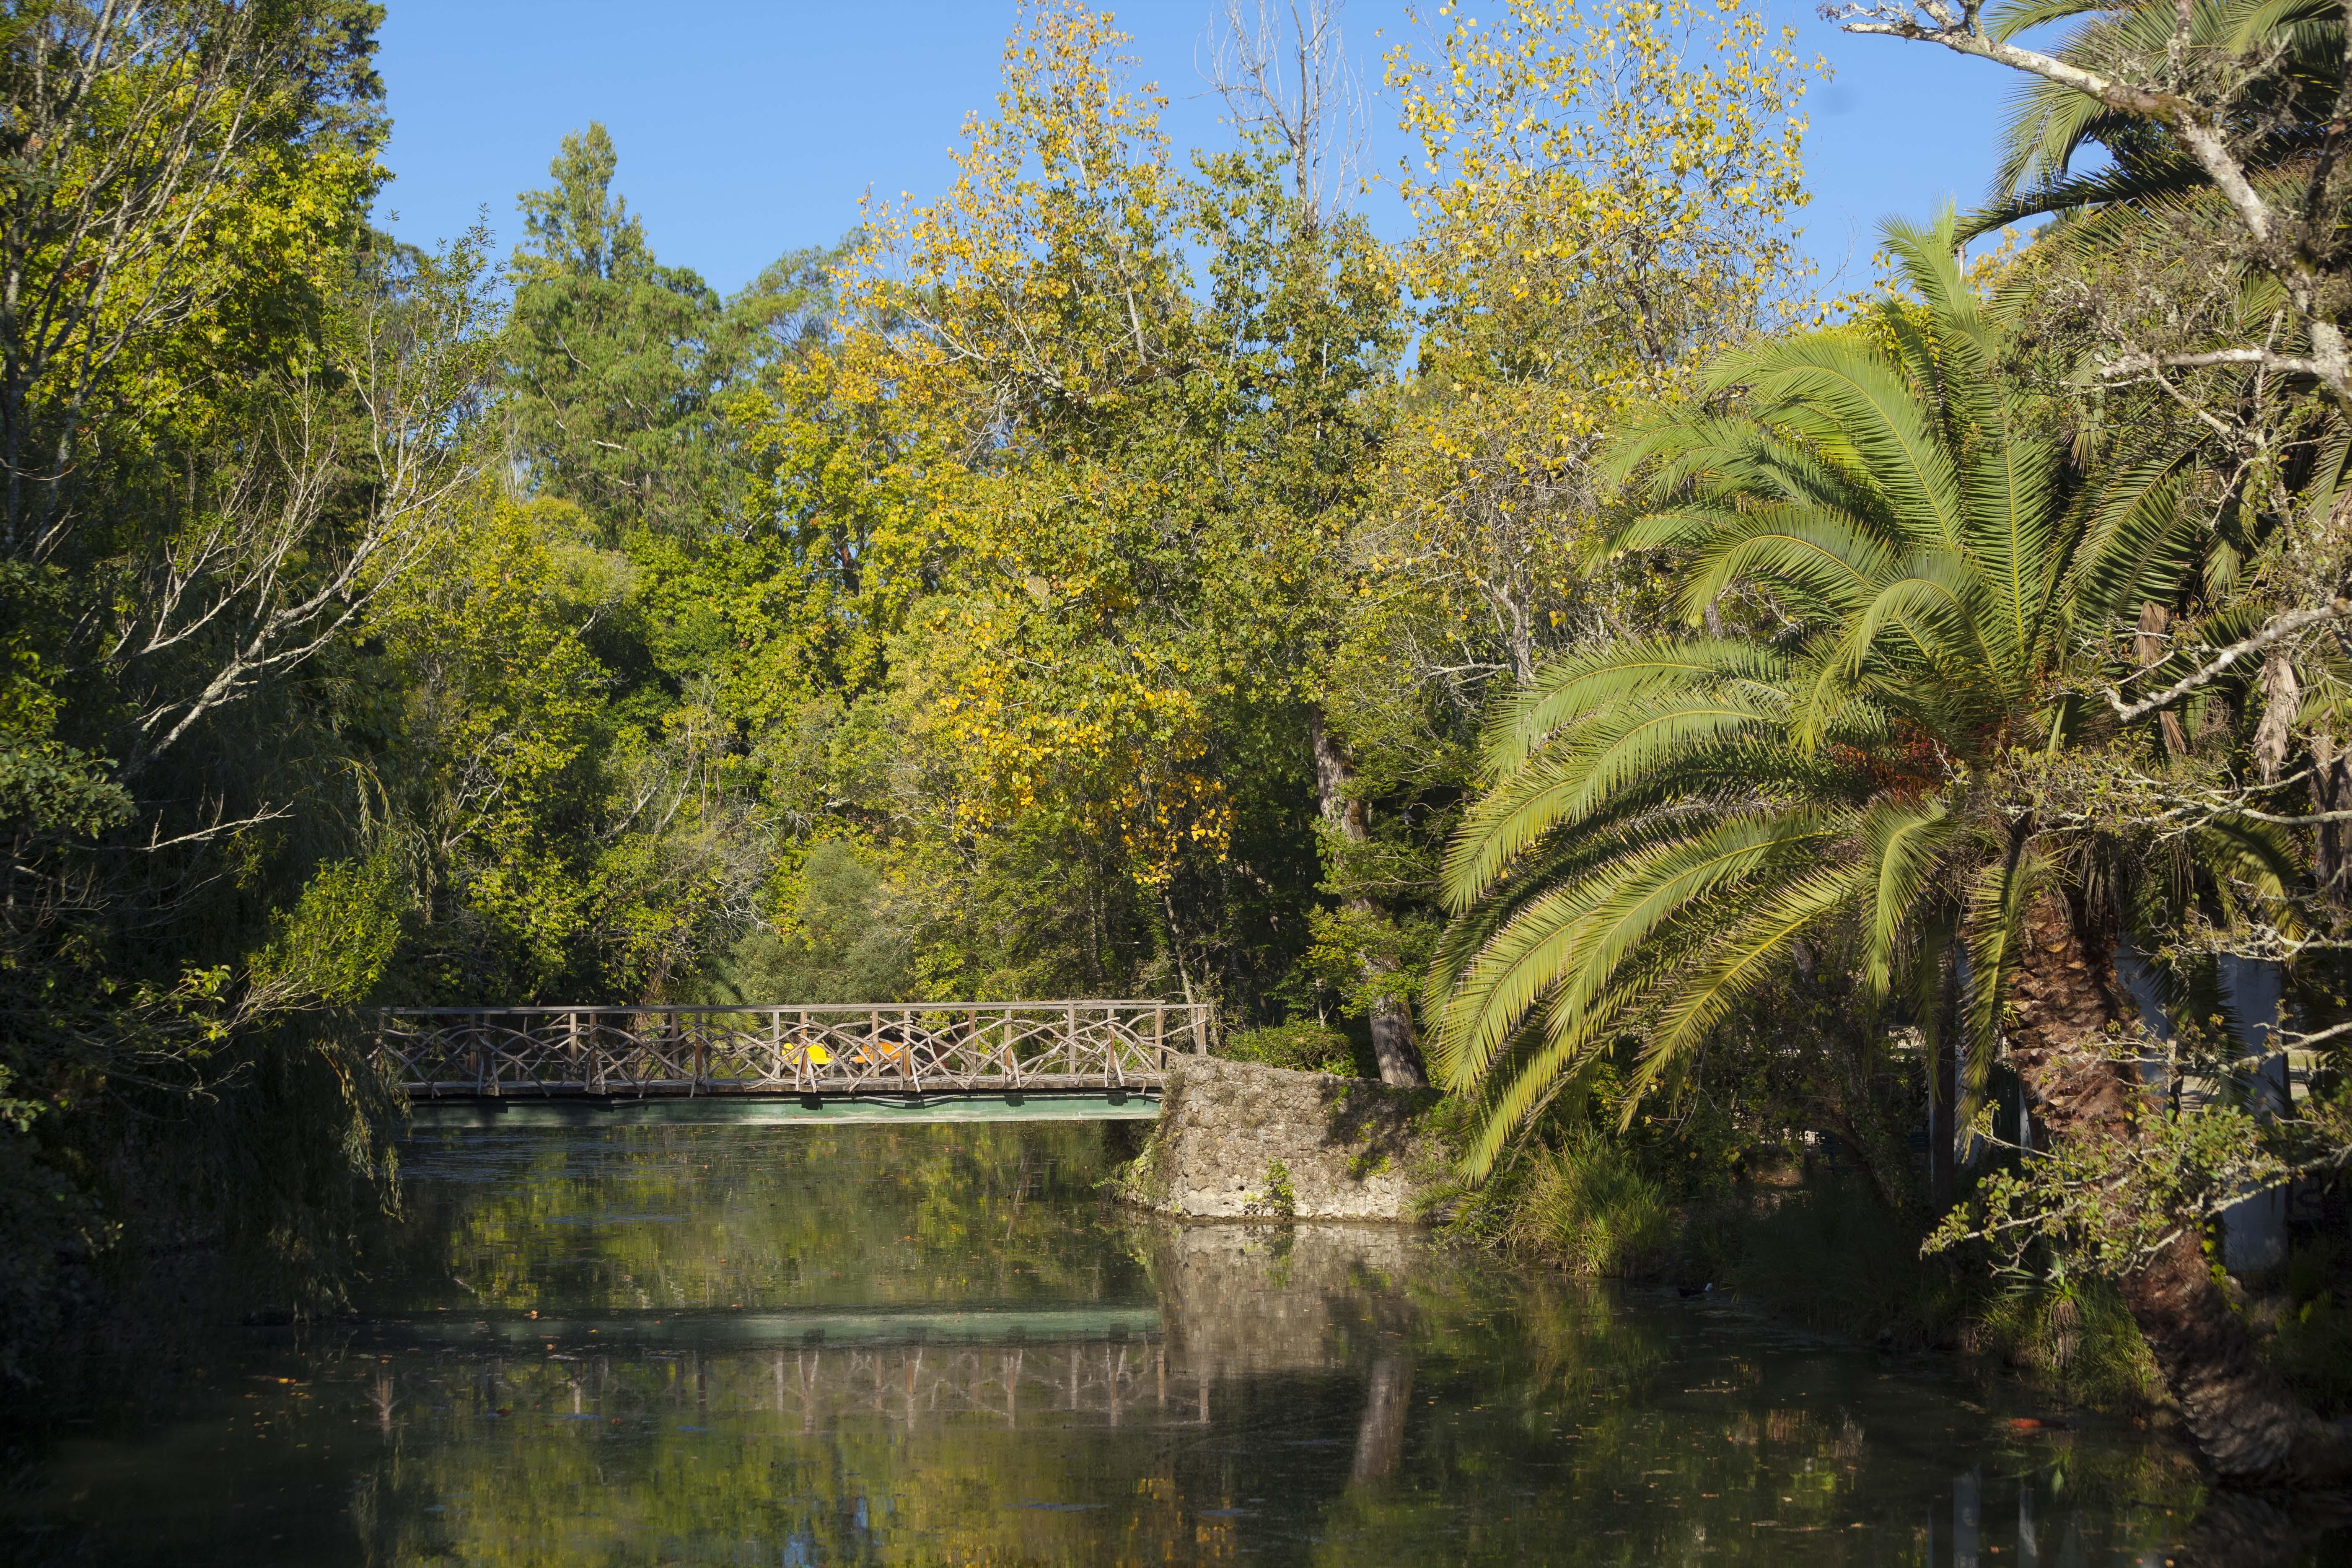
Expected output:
(839, 1062)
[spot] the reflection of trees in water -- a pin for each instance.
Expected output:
(1390, 1400)
(1379, 1435)
(818, 1388)
(696, 1217)
(860, 1454)
(1429, 1404)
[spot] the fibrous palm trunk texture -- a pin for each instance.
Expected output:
(2070, 1019)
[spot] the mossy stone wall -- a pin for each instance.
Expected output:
(1238, 1141)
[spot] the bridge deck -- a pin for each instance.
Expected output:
(788, 1053)
(780, 1110)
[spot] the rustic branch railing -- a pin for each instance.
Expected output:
(924, 1047)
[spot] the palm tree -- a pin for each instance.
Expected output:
(1664, 820)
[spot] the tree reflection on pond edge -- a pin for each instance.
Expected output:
(946, 1345)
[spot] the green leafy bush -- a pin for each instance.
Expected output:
(1590, 1205)
(1302, 1044)
(1280, 1199)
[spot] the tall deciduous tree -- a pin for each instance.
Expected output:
(1098, 481)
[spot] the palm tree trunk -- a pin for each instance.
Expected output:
(2331, 791)
(1943, 1091)
(2068, 1010)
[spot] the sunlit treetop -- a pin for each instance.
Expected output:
(1604, 189)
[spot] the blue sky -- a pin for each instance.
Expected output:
(746, 129)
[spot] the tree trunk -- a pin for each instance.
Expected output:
(1943, 1032)
(1943, 1101)
(1379, 1431)
(1393, 1041)
(2331, 790)
(2149, 647)
(2068, 1010)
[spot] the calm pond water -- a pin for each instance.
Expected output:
(934, 1345)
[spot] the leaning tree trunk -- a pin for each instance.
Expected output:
(2068, 1011)
(1392, 1042)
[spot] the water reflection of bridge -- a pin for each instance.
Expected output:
(818, 1388)
(909, 1061)
(1236, 1304)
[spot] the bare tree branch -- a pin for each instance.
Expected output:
(2277, 628)
(1282, 69)
(2201, 130)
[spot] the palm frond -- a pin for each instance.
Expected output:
(1743, 957)
(1904, 843)
(1993, 935)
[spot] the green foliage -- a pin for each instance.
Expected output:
(248, 411)
(335, 941)
(1588, 1206)
(1280, 1199)
(619, 368)
(1302, 1044)
(2312, 1345)
(2107, 1207)
(848, 938)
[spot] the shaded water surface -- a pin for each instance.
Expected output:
(787, 1346)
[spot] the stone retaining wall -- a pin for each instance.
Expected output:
(1237, 1140)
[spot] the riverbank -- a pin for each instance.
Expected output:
(1809, 1246)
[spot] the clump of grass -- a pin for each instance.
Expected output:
(2078, 1341)
(1588, 1206)
(1301, 1045)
